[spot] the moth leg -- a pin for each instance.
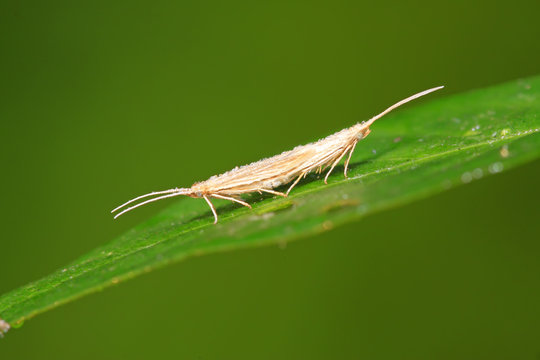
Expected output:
(231, 199)
(295, 182)
(334, 164)
(273, 192)
(212, 208)
(349, 159)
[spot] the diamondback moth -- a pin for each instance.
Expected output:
(268, 174)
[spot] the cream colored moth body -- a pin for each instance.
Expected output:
(268, 174)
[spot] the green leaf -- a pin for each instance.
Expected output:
(412, 153)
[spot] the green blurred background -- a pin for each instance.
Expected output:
(101, 101)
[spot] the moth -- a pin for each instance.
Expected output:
(267, 174)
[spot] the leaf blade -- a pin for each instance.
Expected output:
(411, 154)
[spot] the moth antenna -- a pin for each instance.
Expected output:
(398, 104)
(178, 193)
(147, 195)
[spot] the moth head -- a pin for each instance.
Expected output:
(366, 133)
(363, 133)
